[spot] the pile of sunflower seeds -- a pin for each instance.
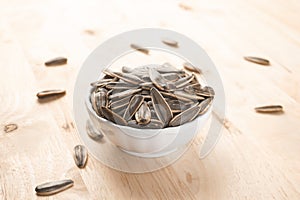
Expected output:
(150, 97)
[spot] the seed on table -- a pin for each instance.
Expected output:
(139, 48)
(10, 127)
(54, 187)
(50, 93)
(269, 109)
(80, 156)
(56, 61)
(257, 60)
(170, 42)
(188, 66)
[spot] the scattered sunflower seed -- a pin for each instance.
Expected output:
(54, 187)
(170, 42)
(80, 156)
(269, 109)
(50, 93)
(10, 127)
(56, 61)
(139, 48)
(188, 66)
(257, 60)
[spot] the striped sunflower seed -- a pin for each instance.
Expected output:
(185, 116)
(170, 42)
(134, 104)
(50, 93)
(188, 66)
(257, 60)
(56, 61)
(114, 117)
(54, 187)
(269, 109)
(139, 48)
(80, 156)
(153, 124)
(143, 114)
(161, 107)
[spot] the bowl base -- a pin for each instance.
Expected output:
(150, 155)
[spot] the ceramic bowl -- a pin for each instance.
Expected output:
(144, 142)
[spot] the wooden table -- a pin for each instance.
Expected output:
(258, 154)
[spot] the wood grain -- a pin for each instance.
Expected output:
(258, 154)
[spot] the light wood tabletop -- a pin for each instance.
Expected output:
(258, 155)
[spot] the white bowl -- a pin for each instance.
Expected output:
(147, 142)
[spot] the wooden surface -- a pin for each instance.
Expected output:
(258, 156)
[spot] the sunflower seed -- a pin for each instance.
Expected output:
(147, 84)
(192, 89)
(123, 101)
(186, 116)
(114, 117)
(170, 42)
(161, 107)
(50, 93)
(10, 127)
(184, 81)
(168, 68)
(124, 93)
(130, 78)
(120, 85)
(126, 69)
(171, 76)
(143, 114)
(80, 156)
(134, 104)
(205, 105)
(269, 109)
(173, 96)
(177, 106)
(188, 66)
(257, 60)
(56, 61)
(139, 48)
(187, 95)
(101, 82)
(92, 132)
(54, 187)
(206, 92)
(153, 124)
(157, 79)
(120, 109)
